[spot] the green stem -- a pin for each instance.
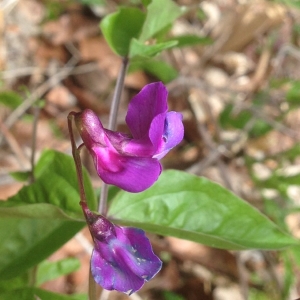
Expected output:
(112, 124)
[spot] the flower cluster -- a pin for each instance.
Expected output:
(123, 259)
(131, 162)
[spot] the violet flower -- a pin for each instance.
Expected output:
(131, 162)
(122, 259)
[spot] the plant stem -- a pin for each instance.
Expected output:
(103, 199)
(77, 159)
(93, 287)
(76, 155)
(112, 124)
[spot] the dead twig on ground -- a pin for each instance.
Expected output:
(15, 147)
(44, 87)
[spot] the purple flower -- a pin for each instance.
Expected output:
(131, 162)
(122, 259)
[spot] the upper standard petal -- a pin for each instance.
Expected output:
(144, 107)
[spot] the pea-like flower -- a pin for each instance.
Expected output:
(131, 162)
(122, 259)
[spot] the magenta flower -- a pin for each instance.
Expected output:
(131, 162)
(122, 259)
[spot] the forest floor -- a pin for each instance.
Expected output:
(239, 97)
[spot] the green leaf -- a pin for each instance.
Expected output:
(191, 40)
(291, 154)
(295, 3)
(20, 176)
(35, 211)
(121, 27)
(255, 294)
(139, 49)
(260, 128)
(42, 216)
(146, 2)
(10, 99)
(171, 296)
(201, 15)
(93, 2)
(193, 208)
(159, 15)
(239, 120)
(36, 293)
(54, 194)
(296, 255)
(289, 275)
(29, 241)
(293, 94)
(15, 283)
(49, 270)
(159, 69)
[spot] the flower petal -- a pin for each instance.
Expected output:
(122, 259)
(139, 255)
(90, 128)
(156, 131)
(141, 148)
(112, 275)
(130, 173)
(125, 262)
(144, 107)
(173, 133)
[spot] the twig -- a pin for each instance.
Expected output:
(93, 287)
(76, 55)
(200, 166)
(18, 72)
(14, 145)
(42, 89)
(104, 295)
(243, 280)
(37, 110)
(196, 109)
(30, 70)
(276, 125)
(8, 5)
(135, 296)
(261, 70)
(208, 140)
(284, 50)
(85, 243)
(272, 271)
